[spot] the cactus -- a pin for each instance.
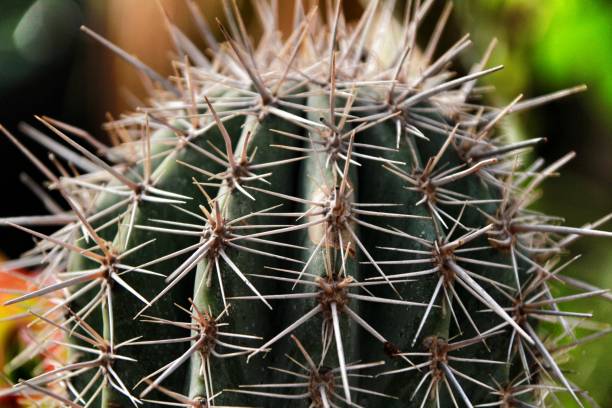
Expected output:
(325, 220)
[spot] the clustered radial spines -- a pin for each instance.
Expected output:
(439, 360)
(247, 121)
(329, 296)
(207, 341)
(320, 382)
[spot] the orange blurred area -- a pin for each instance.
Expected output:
(10, 281)
(9, 328)
(16, 336)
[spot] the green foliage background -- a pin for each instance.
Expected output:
(548, 45)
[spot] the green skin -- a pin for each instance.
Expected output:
(104, 202)
(315, 183)
(177, 179)
(497, 349)
(402, 325)
(252, 317)
(243, 318)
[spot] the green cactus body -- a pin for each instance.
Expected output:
(257, 135)
(424, 284)
(305, 232)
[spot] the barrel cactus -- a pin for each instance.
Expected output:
(328, 219)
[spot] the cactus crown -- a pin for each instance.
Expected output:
(330, 219)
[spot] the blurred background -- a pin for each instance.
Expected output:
(47, 66)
